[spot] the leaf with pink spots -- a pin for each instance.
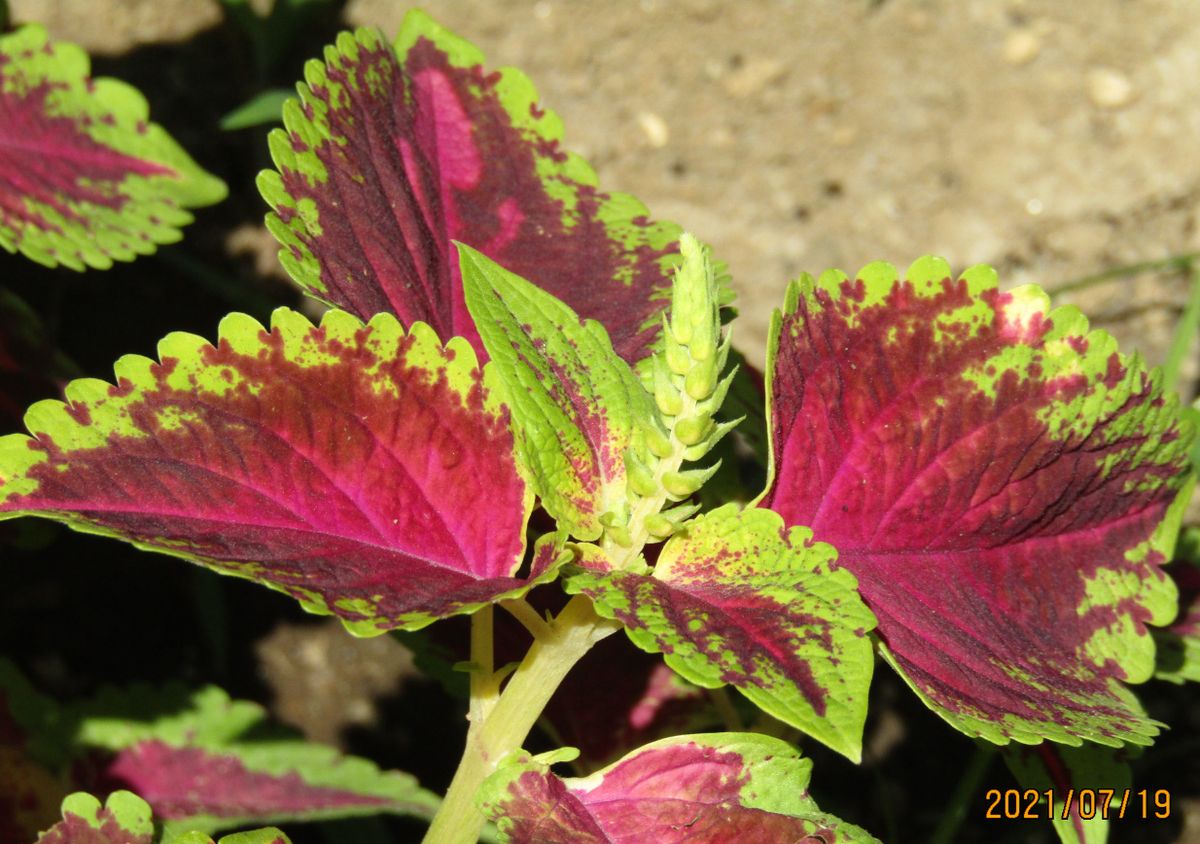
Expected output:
(85, 178)
(366, 471)
(393, 153)
(736, 788)
(1003, 483)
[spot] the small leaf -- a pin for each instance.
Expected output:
(85, 179)
(999, 479)
(124, 819)
(366, 472)
(737, 599)
(736, 788)
(1068, 771)
(392, 154)
(262, 108)
(576, 406)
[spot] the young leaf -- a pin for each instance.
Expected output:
(124, 819)
(1067, 772)
(997, 478)
(736, 788)
(735, 598)
(364, 471)
(392, 154)
(576, 406)
(85, 179)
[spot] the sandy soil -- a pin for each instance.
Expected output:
(1049, 139)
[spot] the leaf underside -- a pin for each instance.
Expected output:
(736, 788)
(85, 179)
(341, 464)
(393, 153)
(736, 599)
(997, 478)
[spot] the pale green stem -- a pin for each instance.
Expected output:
(1172, 262)
(1185, 333)
(485, 686)
(530, 618)
(571, 635)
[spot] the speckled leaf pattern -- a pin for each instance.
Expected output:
(85, 178)
(123, 819)
(393, 153)
(576, 406)
(1000, 480)
(735, 598)
(1104, 771)
(735, 788)
(365, 471)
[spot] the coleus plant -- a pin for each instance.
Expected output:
(961, 480)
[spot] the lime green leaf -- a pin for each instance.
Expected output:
(576, 406)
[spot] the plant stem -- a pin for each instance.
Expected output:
(1185, 332)
(1183, 260)
(956, 810)
(571, 635)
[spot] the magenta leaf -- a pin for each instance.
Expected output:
(999, 479)
(85, 179)
(367, 472)
(735, 788)
(392, 154)
(124, 819)
(1098, 776)
(735, 598)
